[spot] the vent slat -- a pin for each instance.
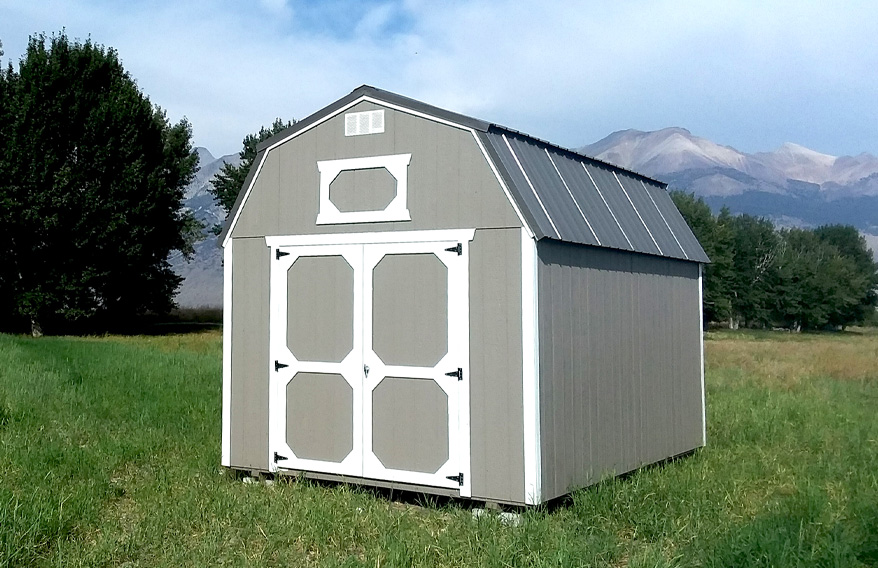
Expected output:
(360, 123)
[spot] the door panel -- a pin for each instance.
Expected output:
(422, 406)
(316, 400)
(320, 294)
(372, 350)
(411, 404)
(410, 309)
(320, 417)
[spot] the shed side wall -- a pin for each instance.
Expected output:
(620, 362)
(450, 183)
(249, 400)
(495, 366)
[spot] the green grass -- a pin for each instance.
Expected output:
(109, 452)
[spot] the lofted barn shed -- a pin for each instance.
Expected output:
(423, 300)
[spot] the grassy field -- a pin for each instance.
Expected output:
(109, 452)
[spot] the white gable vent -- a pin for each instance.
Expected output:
(359, 123)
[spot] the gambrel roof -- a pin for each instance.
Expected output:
(561, 194)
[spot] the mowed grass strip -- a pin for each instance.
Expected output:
(109, 452)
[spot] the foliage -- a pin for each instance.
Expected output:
(91, 187)
(109, 456)
(227, 183)
(763, 277)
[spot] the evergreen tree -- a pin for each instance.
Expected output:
(851, 244)
(715, 237)
(227, 183)
(91, 188)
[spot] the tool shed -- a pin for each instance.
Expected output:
(418, 299)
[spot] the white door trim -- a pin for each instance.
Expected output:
(443, 235)
(457, 356)
(354, 247)
(350, 368)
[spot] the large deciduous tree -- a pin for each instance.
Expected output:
(91, 186)
(228, 181)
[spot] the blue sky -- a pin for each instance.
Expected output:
(747, 74)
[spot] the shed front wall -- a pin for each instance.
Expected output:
(620, 362)
(496, 428)
(450, 182)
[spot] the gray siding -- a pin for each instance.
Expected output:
(496, 422)
(620, 356)
(249, 412)
(450, 183)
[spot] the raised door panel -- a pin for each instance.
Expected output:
(415, 346)
(316, 359)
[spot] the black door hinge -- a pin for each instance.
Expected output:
(278, 458)
(278, 366)
(458, 249)
(458, 373)
(458, 478)
(279, 253)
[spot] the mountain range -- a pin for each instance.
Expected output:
(792, 186)
(203, 275)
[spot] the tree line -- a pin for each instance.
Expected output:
(762, 276)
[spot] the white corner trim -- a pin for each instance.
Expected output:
(396, 210)
(226, 459)
(443, 235)
(701, 337)
(530, 371)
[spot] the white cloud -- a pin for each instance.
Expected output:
(745, 73)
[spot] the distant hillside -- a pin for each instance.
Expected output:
(203, 276)
(792, 186)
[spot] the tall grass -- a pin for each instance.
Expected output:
(109, 452)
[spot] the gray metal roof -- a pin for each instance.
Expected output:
(570, 197)
(562, 195)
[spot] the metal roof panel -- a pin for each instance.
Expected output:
(651, 216)
(622, 208)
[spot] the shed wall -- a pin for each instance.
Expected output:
(450, 183)
(496, 422)
(495, 361)
(249, 380)
(620, 362)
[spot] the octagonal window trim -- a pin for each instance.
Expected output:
(396, 210)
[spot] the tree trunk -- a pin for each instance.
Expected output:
(35, 328)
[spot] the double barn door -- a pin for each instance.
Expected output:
(369, 351)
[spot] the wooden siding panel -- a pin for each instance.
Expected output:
(619, 362)
(496, 422)
(249, 412)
